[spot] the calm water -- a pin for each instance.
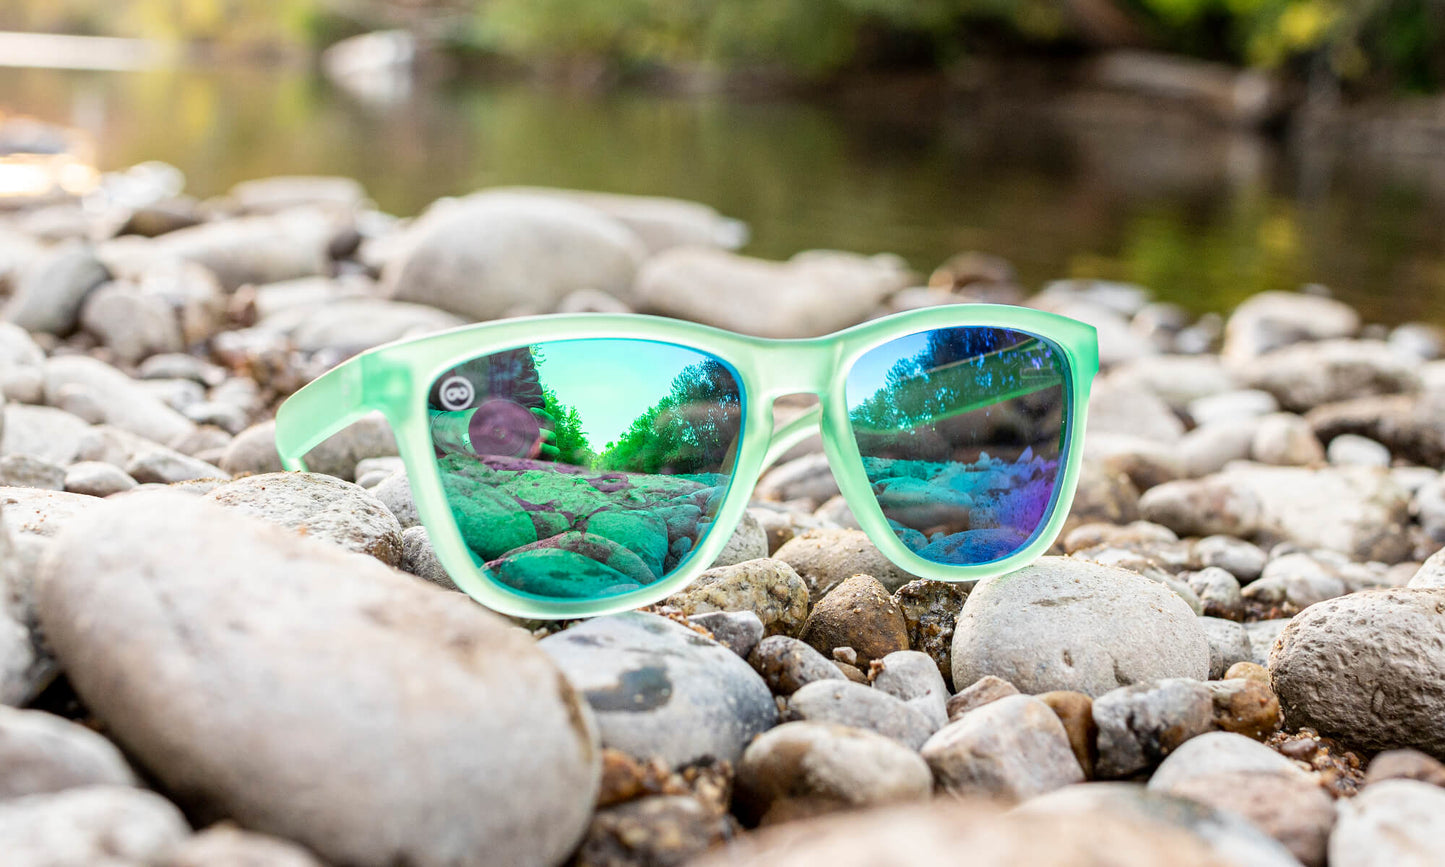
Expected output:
(1203, 216)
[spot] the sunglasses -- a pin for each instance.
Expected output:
(576, 465)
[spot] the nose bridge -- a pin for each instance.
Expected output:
(794, 367)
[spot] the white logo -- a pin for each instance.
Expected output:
(457, 392)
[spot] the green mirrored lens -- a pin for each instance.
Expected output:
(581, 469)
(961, 431)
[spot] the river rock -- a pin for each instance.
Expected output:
(853, 704)
(807, 478)
(1222, 753)
(1431, 574)
(935, 836)
(1120, 407)
(1390, 824)
(930, 610)
(41, 752)
(913, 677)
(1141, 724)
(768, 588)
(661, 223)
(806, 768)
(1312, 374)
(90, 826)
(404, 689)
(318, 506)
(1218, 592)
(122, 401)
(133, 325)
(1270, 320)
(1069, 624)
(1353, 450)
(1358, 511)
(787, 664)
(1103, 494)
(282, 192)
(1295, 812)
(420, 559)
(165, 466)
(1228, 644)
(1286, 439)
(815, 292)
(1244, 560)
(22, 365)
(657, 829)
(51, 289)
(256, 250)
(1366, 667)
(983, 691)
(858, 613)
(1232, 407)
(1405, 765)
(1211, 447)
(224, 846)
(495, 253)
(738, 631)
(1231, 839)
(1180, 380)
(42, 432)
(1013, 748)
(97, 479)
(1202, 507)
(25, 471)
(825, 558)
(661, 689)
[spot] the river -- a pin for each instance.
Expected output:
(1202, 215)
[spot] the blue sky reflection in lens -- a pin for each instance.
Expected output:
(961, 432)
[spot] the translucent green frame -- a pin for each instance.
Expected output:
(394, 380)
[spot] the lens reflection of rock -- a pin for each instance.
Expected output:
(497, 427)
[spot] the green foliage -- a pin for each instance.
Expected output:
(571, 442)
(692, 429)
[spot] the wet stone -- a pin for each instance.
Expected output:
(857, 613)
(787, 664)
(859, 706)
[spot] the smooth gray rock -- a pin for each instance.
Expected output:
(97, 479)
(254, 449)
(1203, 507)
(1299, 579)
(659, 689)
(1210, 447)
(256, 250)
(41, 752)
(420, 559)
(1120, 407)
(787, 664)
(768, 588)
(815, 292)
(349, 325)
(1352, 449)
(124, 402)
(1358, 511)
(494, 253)
(1181, 380)
(748, 542)
(42, 432)
(1262, 636)
(1232, 838)
(853, 704)
(1141, 724)
(1065, 624)
(1244, 560)
(395, 494)
(1228, 644)
(914, 677)
(132, 324)
(1286, 439)
(318, 506)
(1232, 407)
(738, 631)
(164, 466)
(26, 471)
(17, 651)
(91, 826)
(1310, 374)
(1222, 753)
(807, 478)
(1013, 748)
(22, 365)
(1393, 823)
(1367, 667)
(1218, 592)
(1271, 320)
(49, 292)
(401, 687)
(823, 766)
(661, 223)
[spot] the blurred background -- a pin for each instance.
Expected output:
(1208, 149)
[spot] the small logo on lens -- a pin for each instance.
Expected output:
(457, 393)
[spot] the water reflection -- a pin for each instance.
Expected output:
(585, 468)
(961, 432)
(1203, 216)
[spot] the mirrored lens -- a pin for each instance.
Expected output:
(962, 431)
(580, 469)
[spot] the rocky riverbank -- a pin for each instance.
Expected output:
(1234, 655)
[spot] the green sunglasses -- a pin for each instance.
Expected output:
(576, 465)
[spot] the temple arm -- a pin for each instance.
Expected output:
(322, 408)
